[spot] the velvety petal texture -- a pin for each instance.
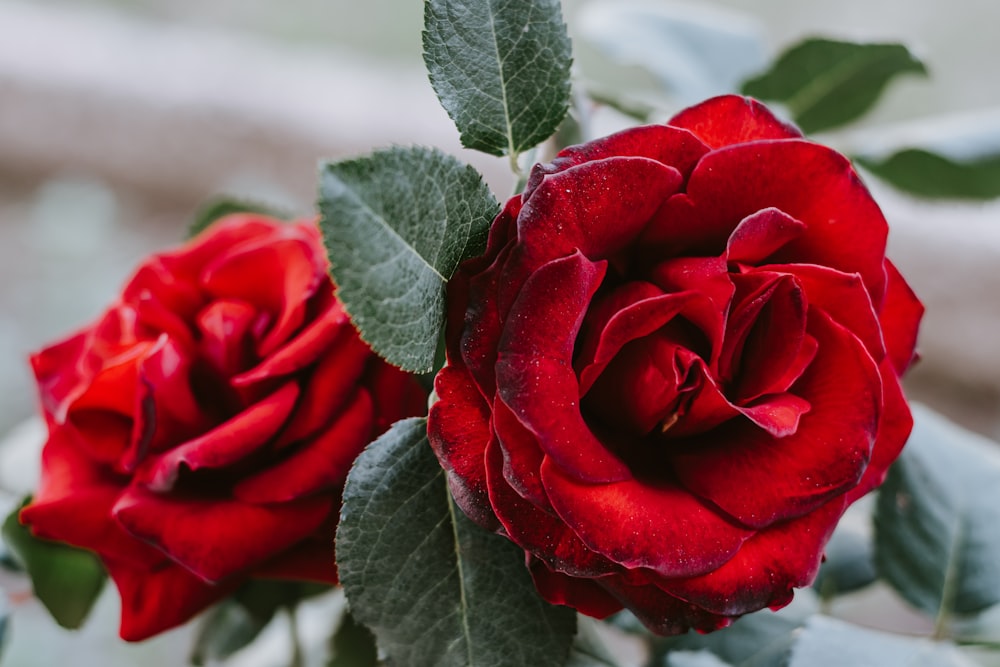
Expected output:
(200, 432)
(676, 365)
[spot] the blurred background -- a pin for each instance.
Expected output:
(119, 118)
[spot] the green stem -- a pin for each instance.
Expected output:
(949, 589)
(297, 659)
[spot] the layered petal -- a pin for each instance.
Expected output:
(217, 538)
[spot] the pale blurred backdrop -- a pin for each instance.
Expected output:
(118, 118)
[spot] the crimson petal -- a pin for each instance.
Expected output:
(766, 569)
(671, 146)
(584, 595)
(159, 598)
(894, 428)
(302, 350)
(74, 500)
(536, 351)
(242, 536)
(793, 475)
(658, 526)
(900, 319)
(536, 530)
(319, 464)
(760, 234)
(732, 119)
(458, 429)
(226, 444)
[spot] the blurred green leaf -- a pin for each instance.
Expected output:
(235, 622)
(826, 83)
(4, 623)
(589, 649)
(694, 659)
(695, 52)
(926, 174)
(353, 645)
(827, 642)
(223, 206)
(225, 629)
(500, 69)
(397, 224)
(435, 588)
(937, 521)
(761, 639)
(65, 579)
(849, 558)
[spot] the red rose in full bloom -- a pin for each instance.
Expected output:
(201, 430)
(676, 365)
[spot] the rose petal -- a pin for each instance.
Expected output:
(656, 525)
(536, 351)
(806, 181)
(795, 474)
(661, 612)
(397, 394)
(317, 465)
(226, 444)
(732, 119)
(761, 234)
(843, 296)
(310, 560)
(597, 208)
(522, 457)
(166, 410)
(217, 538)
(103, 435)
(302, 350)
(670, 146)
(766, 569)
(278, 276)
(894, 428)
(764, 334)
(157, 598)
(640, 388)
(900, 319)
(634, 310)
(223, 343)
(584, 595)
(333, 381)
(73, 503)
(538, 531)
(458, 429)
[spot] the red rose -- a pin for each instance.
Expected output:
(676, 365)
(201, 430)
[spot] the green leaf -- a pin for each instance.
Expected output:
(65, 579)
(827, 642)
(397, 224)
(500, 69)
(589, 649)
(849, 560)
(223, 206)
(926, 174)
(4, 623)
(761, 639)
(353, 645)
(235, 622)
(227, 628)
(937, 520)
(434, 587)
(694, 51)
(826, 83)
(694, 659)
